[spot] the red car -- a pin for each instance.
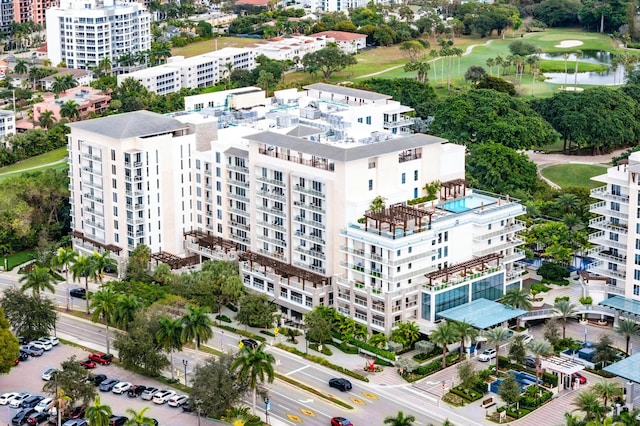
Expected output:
(88, 364)
(101, 358)
(340, 421)
(580, 377)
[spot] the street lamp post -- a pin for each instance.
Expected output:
(306, 342)
(222, 341)
(267, 407)
(185, 363)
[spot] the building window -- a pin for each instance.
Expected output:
(488, 288)
(415, 175)
(370, 184)
(404, 178)
(636, 290)
(368, 120)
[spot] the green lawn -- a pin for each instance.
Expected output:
(16, 259)
(566, 175)
(206, 46)
(50, 160)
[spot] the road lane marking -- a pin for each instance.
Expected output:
(357, 401)
(297, 370)
(275, 392)
(294, 418)
(308, 412)
(369, 395)
(286, 408)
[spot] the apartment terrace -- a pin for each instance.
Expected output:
(283, 269)
(397, 219)
(210, 241)
(312, 161)
(461, 272)
(175, 262)
(110, 247)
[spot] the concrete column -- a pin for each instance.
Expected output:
(630, 387)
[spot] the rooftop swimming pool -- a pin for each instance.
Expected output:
(467, 203)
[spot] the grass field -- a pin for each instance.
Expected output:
(566, 175)
(19, 258)
(38, 163)
(207, 46)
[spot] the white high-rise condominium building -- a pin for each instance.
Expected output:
(285, 185)
(81, 33)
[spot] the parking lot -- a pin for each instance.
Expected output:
(27, 377)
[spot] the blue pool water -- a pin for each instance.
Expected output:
(467, 203)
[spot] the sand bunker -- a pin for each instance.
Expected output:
(569, 43)
(572, 89)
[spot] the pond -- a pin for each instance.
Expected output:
(606, 78)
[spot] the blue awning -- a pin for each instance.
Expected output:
(621, 304)
(482, 313)
(628, 368)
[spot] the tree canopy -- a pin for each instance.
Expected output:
(327, 61)
(8, 345)
(410, 92)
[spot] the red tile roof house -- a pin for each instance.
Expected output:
(348, 42)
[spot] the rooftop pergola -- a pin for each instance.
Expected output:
(211, 241)
(586, 277)
(397, 216)
(285, 270)
(110, 247)
(453, 188)
(463, 267)
(175, 262)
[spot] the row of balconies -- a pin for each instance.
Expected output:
(602, 193)
(602, 208)
(517, 226)
(604, 224)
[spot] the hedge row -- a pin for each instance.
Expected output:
(322, 361)
(223, 318)
(344, 347)
(367, 347)
(505, 363)
(241, 332)
(432, 367)
(313, 391)
(325, 350)
(469, 397)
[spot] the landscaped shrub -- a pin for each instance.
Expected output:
(586, 300)
(367, 347)
(468, 395)
(344, 347)
(325, 350)
(453, 399)
(267, 332)
(561, 298)
(223, 318)
(553, 272)
(539, 288)
(517, 414)
(432, 367)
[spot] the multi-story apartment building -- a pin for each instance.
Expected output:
(616, 251)
(339, 5)
(6, 15)
(7, 124)
(81, 33)
(285, 185)
(198, 71)
(86, 98)
(289, 47)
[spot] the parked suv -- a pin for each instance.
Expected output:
(148, 393)
(101, 358)
(341, 384)
(487, 355)
(117, 420)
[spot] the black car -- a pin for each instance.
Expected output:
(136, 390)
(98, 379)
(340, 384)
(32, 401)
(21, 416)
(117, 420)
(77, 412)
(107, 385)
(37, 418)
(250, 343)
(23, 356)
(78, 292)
(530, 362)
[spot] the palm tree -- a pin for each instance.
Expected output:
(400, 420)
(539, 348)
(103, 261)
(46, 119)
(491, 63)
(567, 202)
(69, 110)
(466, 332)
(37, 280)
(406, 333)
(518, 298)
(126, 308)
(237, 415)
(589, 403)
(607, 391)
(628, 329)
(169, 337)
(495, 336)
(138, 418)
(65, 257)
(104, 65)
(566, 57)
(103, 303)
(578, 56)
(254, 365)
(83, 267)
(378, 340)
(20, 67)
(564, 309)
(98, 414)
(197, 325)
(444, 335)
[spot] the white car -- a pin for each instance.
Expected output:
(43, 406)
(163, 396)
(51, 339)
(6, 398)
(121, 387)
(487, 355)
(45, 346)
(178, 400)
(527, 338)
(48, 374)
(16, 401)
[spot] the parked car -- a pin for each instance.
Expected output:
(77, 412)
(43, 405)
(189, 406)
(487, 355)
(48, 374)
(108, 385)
(530, 361)
(48, 341)
(45, 346)
(121, 388)
(16, 401)
(75, 422)
(78, 292)
(32, 401)
(23, 356)
(579, 377)
(31, 350)
(117, 420)
(136, 390)
(163, 396)
(340, 384)
(178, 400)
(5, 398)
(36, 418)
(88, 364)
(98, 379)
(54, 340)
(149, 392)
(101, 358)
(21, 416)
(340, 421)
(249, 342)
